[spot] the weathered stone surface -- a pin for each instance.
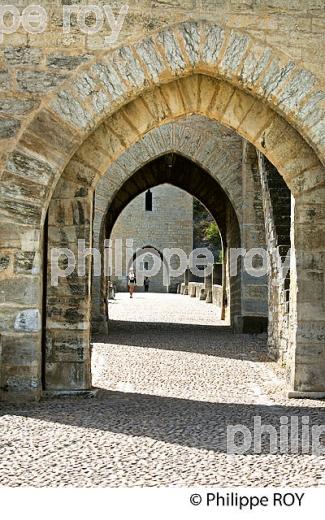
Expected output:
(255, 63)
(213, 44)
(237, 108)
(4, 80)
(26, 382)
(38, 81)
(85, 86)
(71, 110)
(28, 321)
(150, 57)
(68, 375)
(20, 351)
(109, 77)
(29, 167)
(47, 127)
(4, 262)
(8, 128)
(26, 190)
(275, 75)
(172, 51)
(100, 102)
(66, 61)
(318, 132)
(18, 56)
(24, 262)
(296, 90)
(25, 212)
(191, 35)
(10, 235)
(16, 106)
(21, 290)
(129, 67)
(68, 347)
(234, 52)
(311, 111)
(268, 50)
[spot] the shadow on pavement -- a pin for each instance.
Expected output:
(198, 424)
(200, 339)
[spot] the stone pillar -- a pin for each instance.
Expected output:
(187, 278)
(101, 291)
(21, 309)
(277, 215)
(192, 289)
(254, 290)
(217, 274)
(110, 290)
(67, 364)
(208, 281)
(99, 316)
(98, 322)
(201, 293)
(208, 287)
(307, 301)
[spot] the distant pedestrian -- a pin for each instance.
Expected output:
(132, 281)
(146, 284)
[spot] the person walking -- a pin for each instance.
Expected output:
(146, 284)
(131, 282)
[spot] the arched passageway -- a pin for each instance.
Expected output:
(145, 259)
(195, 68)
(178, 171)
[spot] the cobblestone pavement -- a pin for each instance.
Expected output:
(171, 382)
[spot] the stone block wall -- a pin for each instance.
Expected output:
(216, 147)
(254, 298)
(169, 225)
(277, 210)
(67, 321)
(259, 69)
(34, 65)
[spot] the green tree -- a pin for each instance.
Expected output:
(206, 231)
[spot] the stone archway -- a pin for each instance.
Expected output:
(279, 115)
(211, 146)
(179, 171)
(147, 252)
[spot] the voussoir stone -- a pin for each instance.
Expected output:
(8, 128)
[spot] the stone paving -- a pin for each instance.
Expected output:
(171, 379)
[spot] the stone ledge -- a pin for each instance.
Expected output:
(68, 394)
(295, 394)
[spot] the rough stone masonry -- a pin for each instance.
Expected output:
(77, 114)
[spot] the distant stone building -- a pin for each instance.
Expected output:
(156, 220)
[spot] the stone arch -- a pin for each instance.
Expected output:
(150, 249)
(182, 172)
(99, 88)
(198, 94)
(147, 249)
(181, 137)
(174, 137)
(270, 101)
